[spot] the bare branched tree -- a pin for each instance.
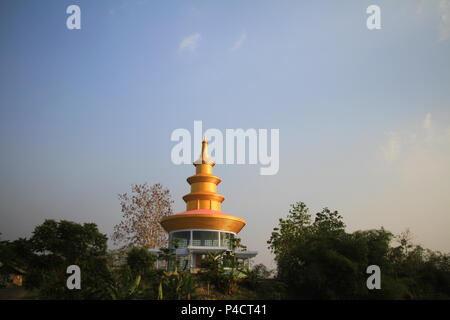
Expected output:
(142, 211)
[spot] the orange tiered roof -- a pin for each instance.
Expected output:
(203, 203)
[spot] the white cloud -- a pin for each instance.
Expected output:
(239, 42)
(190, 43)
(444, 16)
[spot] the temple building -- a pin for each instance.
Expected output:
(203, 227)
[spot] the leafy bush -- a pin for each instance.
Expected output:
(320, 260)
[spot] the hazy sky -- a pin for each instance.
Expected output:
(364, 116)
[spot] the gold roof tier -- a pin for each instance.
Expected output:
(203, 184)
(203, 203)
(203, 219)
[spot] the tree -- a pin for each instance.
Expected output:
(56, 245)
(222, 269)
(141, 212)
(235, 243)
(15, 253)
(140, 261)
(124, 287)
(212, 270)
(256, 275)
(320, 260)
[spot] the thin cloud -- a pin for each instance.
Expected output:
(428, 127)
(441, 8)
(391, 151)
(238, 44)
(190, 43)
(444, 16)
(428, 140)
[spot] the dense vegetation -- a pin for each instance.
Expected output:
(56, 245)
(320, 260)
(316, 259)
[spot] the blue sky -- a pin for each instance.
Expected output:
(364, 116)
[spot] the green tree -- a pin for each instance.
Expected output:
(124, 285)
(56, 245)
(212, 271)
(320, 260)
(140, 261)
(256, 275)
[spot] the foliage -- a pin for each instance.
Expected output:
(168, 255)
(125, 285)
(177, 286)
(212, 271)
(255, 276)
(15, 253)
(316, 259)
(141, 212)
(320, 260)
(56, 245)
(140, 261)
(155, 284)
(221, 269)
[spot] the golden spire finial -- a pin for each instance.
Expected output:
(204, 156)
(203, 184)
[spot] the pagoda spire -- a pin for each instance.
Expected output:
(203, 193)
(203, 203)
(204, 156)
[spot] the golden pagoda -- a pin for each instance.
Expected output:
(203, 227)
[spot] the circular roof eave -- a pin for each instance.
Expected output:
(203, 219)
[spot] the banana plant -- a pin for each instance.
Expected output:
(126, 292)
